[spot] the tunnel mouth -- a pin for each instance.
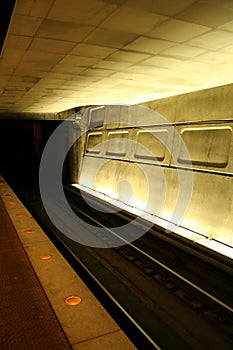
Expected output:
(5, 18)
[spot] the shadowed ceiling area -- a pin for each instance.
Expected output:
(62, 54)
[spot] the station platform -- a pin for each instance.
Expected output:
(44, 304)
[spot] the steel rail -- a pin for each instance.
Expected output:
(184, 279)
(153, 343)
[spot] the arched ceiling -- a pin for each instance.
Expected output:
(62, 54)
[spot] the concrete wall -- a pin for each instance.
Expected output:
(205, 105)
(204, 122)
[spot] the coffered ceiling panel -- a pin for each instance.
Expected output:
(61, 54)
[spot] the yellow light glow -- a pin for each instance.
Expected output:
(217, 247)
(106, 193)
(184, 232)
(86, 183)
(139, 204)
(137, 209)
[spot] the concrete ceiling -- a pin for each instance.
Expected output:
(60, 54)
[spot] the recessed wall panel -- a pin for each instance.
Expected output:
(116, 116)
(94, 143)
(97, 116)
(117, 143)
(209, 147)
(151, 144)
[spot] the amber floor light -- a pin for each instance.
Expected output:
(29, 231)
(45, 256)
(73, 300)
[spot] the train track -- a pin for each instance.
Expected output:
(170, 294)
